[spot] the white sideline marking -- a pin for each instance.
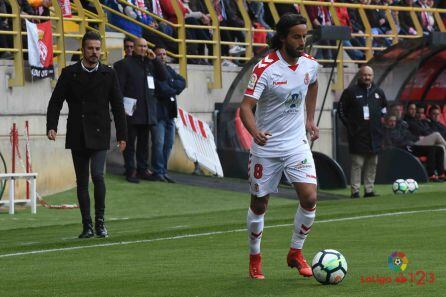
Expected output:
(212, 233)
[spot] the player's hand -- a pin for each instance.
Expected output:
(261, 137)
(52, 135)
(121, 145)
(150, 54)
(313, 130)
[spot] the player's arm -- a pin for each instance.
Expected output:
(310, 103)
(247, 117)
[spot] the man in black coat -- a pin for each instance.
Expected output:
(89, 88)
(434, 114)
(163, 134)
(361, 109)
(129, 45)
(137, 76)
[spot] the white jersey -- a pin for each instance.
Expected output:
(281, 89)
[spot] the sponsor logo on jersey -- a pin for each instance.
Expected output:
(293, 102)
(307, 78)
(256, 187)
(377, 96)
(279, 83)
(252, 81)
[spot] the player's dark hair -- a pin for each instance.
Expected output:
(283, 27)
(90, 35)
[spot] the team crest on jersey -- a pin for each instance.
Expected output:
(307, 78)
(252, 81)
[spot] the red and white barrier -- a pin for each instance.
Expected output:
(198, 141)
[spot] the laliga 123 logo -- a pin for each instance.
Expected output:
(398, 261)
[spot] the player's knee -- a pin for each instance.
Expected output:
(258, 206)
(309, 200)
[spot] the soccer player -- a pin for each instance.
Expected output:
(280, 83)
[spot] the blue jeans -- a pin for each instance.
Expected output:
(354, 54)
(163, 136)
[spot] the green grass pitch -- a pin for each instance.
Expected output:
(177, 240)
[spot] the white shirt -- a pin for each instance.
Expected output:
(281, 89)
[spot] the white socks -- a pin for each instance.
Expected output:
(303, 220)
(255, 229)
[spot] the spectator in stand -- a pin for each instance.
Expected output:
(406, 25)
(5, 41)
(356, 23)
(35, 7)
(320, 16)
(361, 109)
(257, 10)
(163, 133)
(194, 16)
(200, 6)
(379, 24)
(434, 123)
(427, 20)
(344, 19)
(220, 7)
(123, 23)
(190, 18)
(234, 19)
(399, 136)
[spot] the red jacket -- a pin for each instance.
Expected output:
(169, 11)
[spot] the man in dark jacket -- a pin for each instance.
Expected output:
(137, 77)
(89, 89)
(129, 45)
(434, 123)
(163, 134)
(361, 109)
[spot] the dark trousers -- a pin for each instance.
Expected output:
(82, 160)
(435, 157)
(140, 135)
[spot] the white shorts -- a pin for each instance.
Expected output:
(265, 173)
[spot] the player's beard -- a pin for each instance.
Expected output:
(294, 52)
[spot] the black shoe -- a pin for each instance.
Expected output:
(146, 174)
(100, 229)
(157, 178)
(87, 232)
(354, 195)
(370, 194)
(169, 180)
(132, 178)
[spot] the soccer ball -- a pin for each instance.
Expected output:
(412, 185)
(329, 267)
(400, 186)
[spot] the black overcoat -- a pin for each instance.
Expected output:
(89, 97)
(364, 136)
(133, 75)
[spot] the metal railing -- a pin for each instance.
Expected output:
(85, 20)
